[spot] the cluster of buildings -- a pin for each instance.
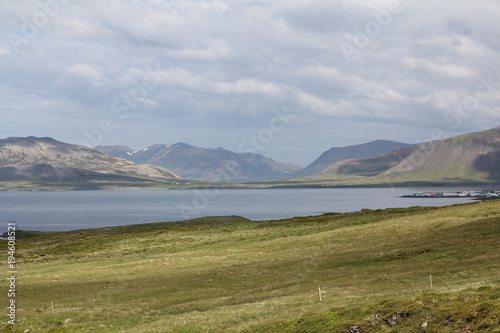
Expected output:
(475, 194)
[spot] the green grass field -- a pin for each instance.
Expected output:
(229, 274)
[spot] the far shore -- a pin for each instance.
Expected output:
(52, 187)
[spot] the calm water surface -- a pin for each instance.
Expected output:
(70, 210)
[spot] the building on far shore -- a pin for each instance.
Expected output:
(459, 194)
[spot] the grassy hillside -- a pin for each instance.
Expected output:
(229, 274)
(470, 159)
(469, 310)
(369, 166)
(362, 151)
(469, 156)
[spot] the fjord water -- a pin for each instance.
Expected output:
(70, 210)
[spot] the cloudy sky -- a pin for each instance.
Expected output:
(288, 79)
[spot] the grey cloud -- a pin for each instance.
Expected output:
(221, 71)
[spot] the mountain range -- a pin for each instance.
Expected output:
(472, 158)
(46, 159)
(208, 164)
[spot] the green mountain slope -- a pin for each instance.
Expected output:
(370, 166)
(474, 156)
(366, 150)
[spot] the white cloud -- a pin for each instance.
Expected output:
(439, 68)
(326, 107)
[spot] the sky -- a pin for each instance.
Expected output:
(287, 79)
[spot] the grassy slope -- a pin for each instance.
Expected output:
(470, 310)
(230, 274)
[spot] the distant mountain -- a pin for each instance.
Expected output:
(469, 157)
(45, 159)
(335, 154)
(206, 163)
(116, 151)
(473, 157)
(371, 166)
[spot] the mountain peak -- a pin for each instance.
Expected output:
(210, 163)
(182, 145)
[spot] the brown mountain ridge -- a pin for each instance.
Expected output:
(46, 159)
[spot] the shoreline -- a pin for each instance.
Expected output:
(210, 220)
(242, 186)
